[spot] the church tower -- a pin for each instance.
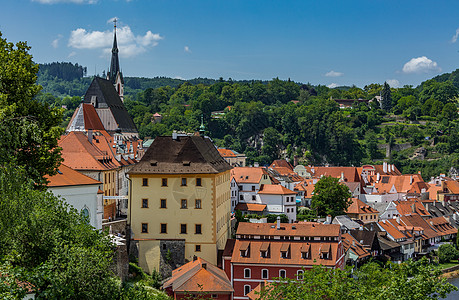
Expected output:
(114, 74)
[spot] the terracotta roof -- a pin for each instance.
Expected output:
(183, 155)
(349, 242)
(452, 186)
(306, 229)
(406, 207)
(226, 152)
(248, 174)
(402, 183)
(416, 220)
(250, 207)
(275, 189)
(350, 173)
(359, 207)
(391, 230)
(80, 154)
(442, 226)
(274, 256)
(433, 190)
(68, 177)
(380, 169)
(281, 163)
(199, 276)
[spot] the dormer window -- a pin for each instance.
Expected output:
(285, 249)
(325, 251)
(264, 250)
(245, 249)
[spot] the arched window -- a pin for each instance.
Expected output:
(282, 274)
(246, 273)
(264, 274)
(247, 289)
(299, 274)
(85, 213)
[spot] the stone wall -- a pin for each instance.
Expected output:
(120, 263)
(118, 226)
(172, 256)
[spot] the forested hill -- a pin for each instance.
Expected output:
(415, 128)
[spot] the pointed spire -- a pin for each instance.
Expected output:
(115, 64)
(202, 128)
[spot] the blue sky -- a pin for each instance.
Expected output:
(321, 42)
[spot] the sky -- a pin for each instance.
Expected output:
(324, 42)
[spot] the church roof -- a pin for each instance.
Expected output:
(107, 97)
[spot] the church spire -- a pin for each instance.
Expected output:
(115, 64)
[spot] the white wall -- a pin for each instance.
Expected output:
(83, 196)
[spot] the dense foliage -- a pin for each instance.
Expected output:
(409, 280)
(330, 197)
(29, 128)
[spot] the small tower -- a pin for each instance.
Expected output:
(114, 74)
(202, 128)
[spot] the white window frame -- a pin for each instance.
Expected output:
(285, 273)
(245, 289)
(250, 273)
(300, 273)
(267, 274)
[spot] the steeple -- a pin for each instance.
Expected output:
(115, 63)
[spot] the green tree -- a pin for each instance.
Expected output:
(446, 253)
(386, 98)
(330, 197)
(449, 112)
(30, 129)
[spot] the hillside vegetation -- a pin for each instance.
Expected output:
(284, 119)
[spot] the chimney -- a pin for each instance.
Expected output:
(204, 266)
(90, 135)
(378, 177)
(295, 160)
(413, 208)
(195, 257)
(328, 219)
(174, 135)
(278, 223)
(384, 167)
(255, 164)
(342, 176)
(398, 219)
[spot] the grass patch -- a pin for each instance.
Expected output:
(448, 264)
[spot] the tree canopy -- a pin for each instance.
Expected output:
(30, 129)
(330, 197)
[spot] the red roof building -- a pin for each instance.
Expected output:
(198, 278)
(263, 251)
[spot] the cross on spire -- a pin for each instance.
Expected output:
(114, 22)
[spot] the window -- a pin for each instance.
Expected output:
(282, 274)
(214, 296)
(299, 274)
(163, 228)
(253, 188)
(183, 181)
(198, 182)
(304, 255)
(184, 203)
(183, 228)
(240, 197)
(288, 210)
(144, 203)
(247, 289)
(163, 203)
(246, 273)
(264, 274)
(144, 227)
(197, 248)
(164, 182)
(198, 229)
(253, 197)
(284, 254)
(144, 181)
(197, 203)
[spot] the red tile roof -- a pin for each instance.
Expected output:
(305, 229)
(68, 177)
(281, 163)
(250, 207)
(226, 152)
(199, 276)
(391, 229)
(349, 242)
(248, 174)
(406, 207)
(275, 189)
(452, 186)
(416, 220)
(359, 207)
(350, 174)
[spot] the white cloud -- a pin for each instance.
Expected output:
(420, 65)
(73, 53)
(179, 77)
(454, 38)
(332, 85)
(393, 83)
(55, 43)
(66, 1)
(129, 44)
(187, 49)
(334, 74)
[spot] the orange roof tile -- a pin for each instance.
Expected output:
(68, 177)
(310, 229)
(250, 207)
(350, 173)
(359, 207)
(226, 152)
(349, 242)
(391, 229)
(199, 276)
(452, 186)
(275, 189)
(281, 163)
(416, 220)
(248, 174)
(406, 207)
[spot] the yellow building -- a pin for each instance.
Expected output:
(180, 203)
